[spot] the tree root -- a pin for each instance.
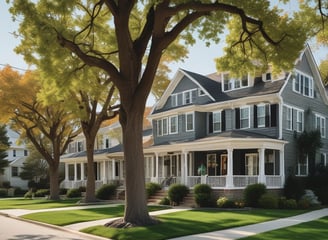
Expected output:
(121, 223)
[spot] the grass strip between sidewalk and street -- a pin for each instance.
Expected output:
(191, 222)
(314, 230)
(35, 204)
(67, 217)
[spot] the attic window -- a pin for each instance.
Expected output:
(303, 84)
(201, 92)
(230, 83)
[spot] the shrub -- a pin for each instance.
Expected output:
(62, 191)
(6, 184)
(253, 193)
(224, 202)
(82, 188)
(287, 203)
(322, 194)
(42, 192)
(73, 193)
(3, 192)
(19, 191)
(268, 200)
(164, 201)
(28, 194)
(177, 192)
(293, 188)
(152, 188)
(303, 203)
(106, 191)
(203, 195)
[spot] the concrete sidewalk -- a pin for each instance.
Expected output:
(228, 234)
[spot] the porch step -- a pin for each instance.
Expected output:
(189, 200)
(157, 197)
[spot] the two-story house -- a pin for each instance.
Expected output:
(227, 132)
(16, 155)
(241, 130)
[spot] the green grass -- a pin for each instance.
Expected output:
(191, 222)
(66, 217)
(314, 230)
(34, 204)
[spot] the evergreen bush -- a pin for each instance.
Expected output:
(3, 192)
(28, 194)
(293, 188)
(177, 192)
(252, 194)
(203, 195)
(42, 193)
(152, 188)
(164, 201)
(268, 201)
(73, 193)
(106, 191)
(224, 202)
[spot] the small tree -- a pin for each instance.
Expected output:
(4, 145)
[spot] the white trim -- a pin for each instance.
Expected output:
(216, 112)
(321, 117)
(249, 117)
(261, 105)
(176, 124)
(193, 121)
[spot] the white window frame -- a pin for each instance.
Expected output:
(234, 83)
(193, 121)
(165, 129)
(174, 100)
(219, 113)
(248, 118)
(252, 167)
(324, 155)
(159, 127)
(289, 118)
(300, 78)
(186, 95)
(304, 165)
(299, 120)
(175, 119)
(320, 124)
(261, 116)
(201, 92)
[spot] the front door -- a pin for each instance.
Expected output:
(223, 167)
(251, 164)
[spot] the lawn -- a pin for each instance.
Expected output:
(66, 217)
(314, 230)
(33, 204)
(191, 222)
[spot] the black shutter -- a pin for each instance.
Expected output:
(255, 116)
(210, 122)
(274, 114)
(267, 115)
(237, 115)
(223, 121)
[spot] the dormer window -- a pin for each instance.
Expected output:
(303, 84)
(231, 83)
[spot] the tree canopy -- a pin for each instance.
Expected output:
(127, 40)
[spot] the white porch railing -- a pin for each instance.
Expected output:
(193, 180)
(244, 180)
(216, 181)
(273, 181)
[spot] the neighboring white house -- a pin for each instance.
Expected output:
(16, 154)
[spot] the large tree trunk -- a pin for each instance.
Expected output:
(90, 195)
(136, 212)
(54, 182)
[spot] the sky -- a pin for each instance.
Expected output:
(200, 58)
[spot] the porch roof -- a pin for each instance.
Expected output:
(237, 139)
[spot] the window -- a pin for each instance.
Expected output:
(251, 164)
(159, 127)
(14, 153)
(323, 161)
(217, 122)
(14, 171)
(174, 100)
(302, 167)
(303, 84)
(289, 118)
(230, 83)
(201, 92)
(165, 126)
(244, 117)
(299, 121)
(25, 152)
(189, 122)
(320, 124)
(173, 124)
(186, 98)
(80, 146)
(107, 143)
(260, 115)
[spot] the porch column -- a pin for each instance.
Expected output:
(184, 168)
(82, 171)
(104, 172)
(66, 172)
(113, 169)
(261, 166)
(229, 180)
(156, 159)
(282, 166)
(120, 175)
(152, 172)
(75, 172)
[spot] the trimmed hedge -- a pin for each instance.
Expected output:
(177, 192)
(269, 201)
(152, 188)
(73, 193)
(203, 195)
(253, 193)
(106, 191)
